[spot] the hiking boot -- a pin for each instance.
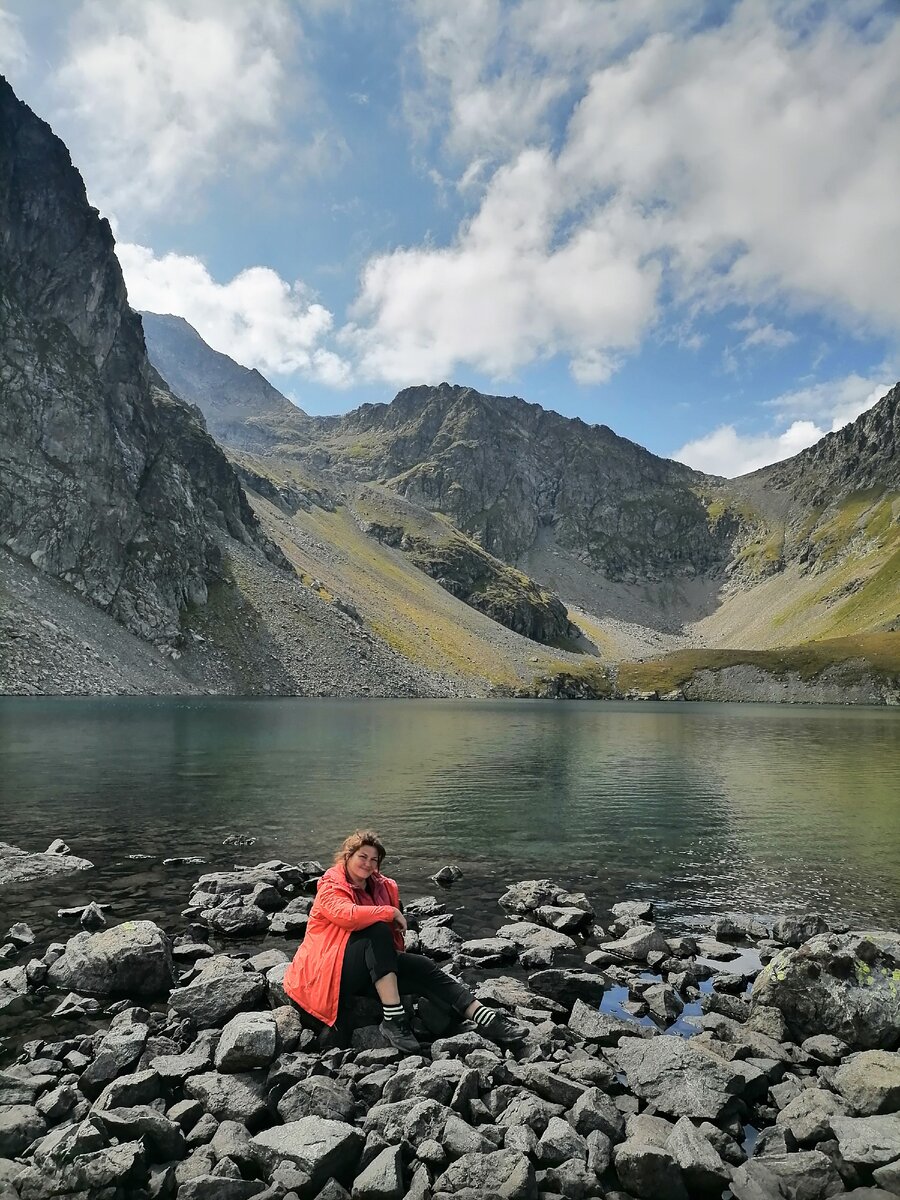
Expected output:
(500, 1028)
(397, 1031)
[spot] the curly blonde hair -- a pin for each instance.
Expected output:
(356, 840)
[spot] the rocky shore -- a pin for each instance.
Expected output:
(750, 1060)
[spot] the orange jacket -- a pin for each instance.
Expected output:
(313, 980)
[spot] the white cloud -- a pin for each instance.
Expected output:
(257, 318)
(507, 291)
(836, 401)
(767, 335)
(746, 161)
(729, 453)
(13, 47)
(174, 93)
(813, 412)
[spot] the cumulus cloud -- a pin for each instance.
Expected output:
(257, 318)
(507, 291)
(172, 94)
(13, 47)
(742, 161)
(812, 412)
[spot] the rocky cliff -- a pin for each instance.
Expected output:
(107, 481)
(504, 470)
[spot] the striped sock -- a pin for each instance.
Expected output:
(393, 1012)
(484, 1015)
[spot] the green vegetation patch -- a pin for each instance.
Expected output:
(862, 655)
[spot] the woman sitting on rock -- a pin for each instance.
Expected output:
(354, 945)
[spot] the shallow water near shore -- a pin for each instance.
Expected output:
(704, 808)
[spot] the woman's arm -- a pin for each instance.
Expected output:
(337, 907)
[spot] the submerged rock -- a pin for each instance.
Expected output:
(19, 866)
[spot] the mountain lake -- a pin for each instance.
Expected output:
(702, 808)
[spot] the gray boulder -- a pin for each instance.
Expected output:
(559, 1143)
(20, 866)
(679, 1080)
(601, 1028)
(870, 1082)
(594, 1110)
(437, 941)
(529, 936)
(840, 984)
(505, 1174)
(20, 1125)
(230, 1097)
(636, 944)
(320, 1148)
(162, 1137)
(806, 1175)
(868, 1141)
(133, 960)
(213, 999)
(649, 1171)
(382, 1179)
(249, 1040)
(702, 1168)
(568, 985)
(529, 895)
(808, 1116)
(317, 1096)
(564, 918)
(794, 931)
(411, 1122)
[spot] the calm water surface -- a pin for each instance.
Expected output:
(705, 808)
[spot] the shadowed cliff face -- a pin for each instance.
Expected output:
(107, 481)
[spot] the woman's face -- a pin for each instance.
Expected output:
(362, 863)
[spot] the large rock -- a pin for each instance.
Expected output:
(868, 1141)
(214, 999)
(19, 866)
(498, 1173)
(529, 936)
(602, 1028)
(322, 1149)
(636, 944)
(702, 1168)
(808, 1175)
(382, 1179)
(870, 1082)
(529, 895)
(249, 1040)
(840, 984)
(649, 1171)
(230, 1097)
(680, 1081)
(20, 1125)
(133, 960)
(411, 1122)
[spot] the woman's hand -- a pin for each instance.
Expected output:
(400, 920)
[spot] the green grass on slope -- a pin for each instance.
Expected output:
(864, 655)
(858, 565)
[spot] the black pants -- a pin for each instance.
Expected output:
(370, 955)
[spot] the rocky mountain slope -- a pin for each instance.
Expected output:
(648, 556)
(241, 408)
(107, 481)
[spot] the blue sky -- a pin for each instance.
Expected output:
(679, 219)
